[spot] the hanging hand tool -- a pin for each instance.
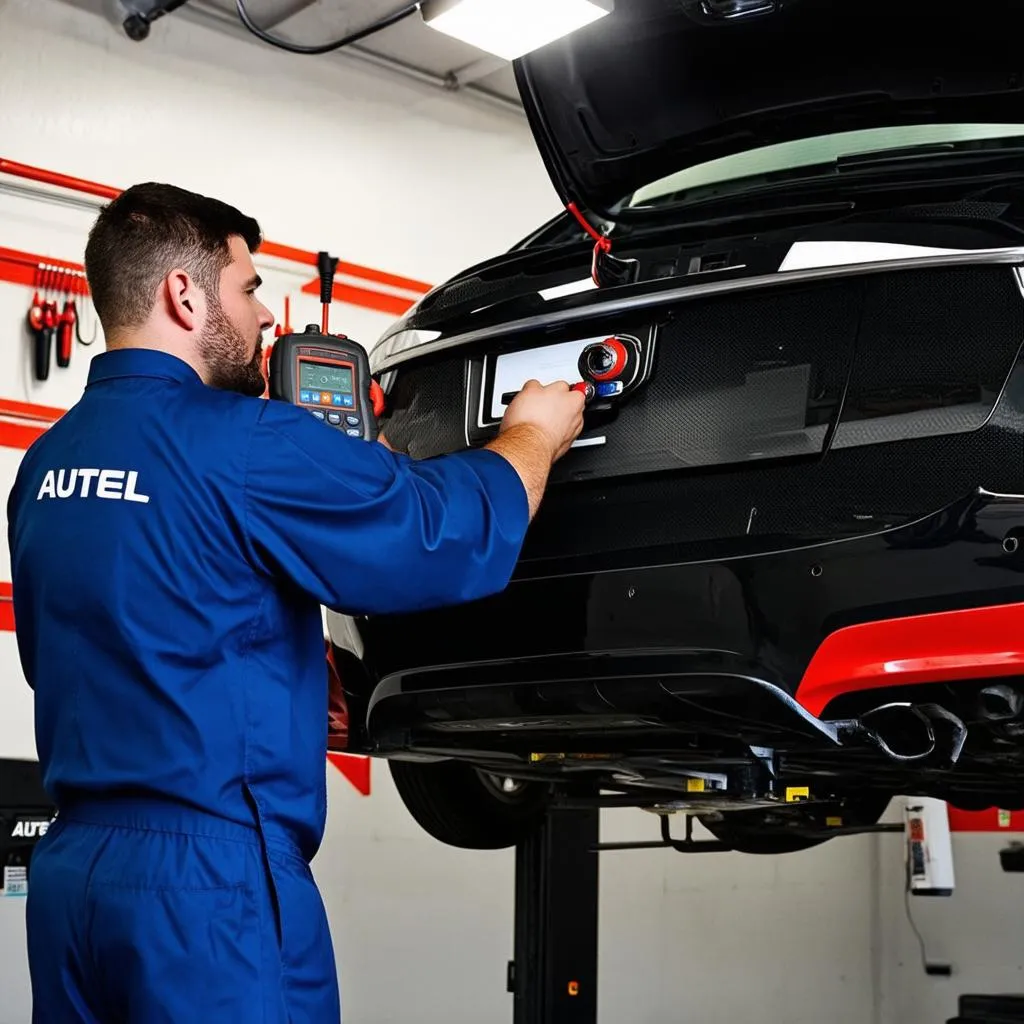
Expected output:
(35, 313)
(47, 324)
(66, 333)
(35, 326)
(41, 322)
(51, 317)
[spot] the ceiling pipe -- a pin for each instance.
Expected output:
(202, 14)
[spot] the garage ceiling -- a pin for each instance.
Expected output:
(409, 47)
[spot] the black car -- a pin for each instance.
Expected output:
(780, 577)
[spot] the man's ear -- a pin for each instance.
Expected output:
(185, 301)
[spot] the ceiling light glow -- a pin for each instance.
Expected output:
(510, 28)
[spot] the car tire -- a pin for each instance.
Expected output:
(769, 832)
(461, 805)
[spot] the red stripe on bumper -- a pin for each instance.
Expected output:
(969, 643)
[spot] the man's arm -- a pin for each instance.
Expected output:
(366, 530)
(538, 428)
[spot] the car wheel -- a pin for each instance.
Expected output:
(770, 831)
(461, 805)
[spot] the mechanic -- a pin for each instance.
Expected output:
(172, 539)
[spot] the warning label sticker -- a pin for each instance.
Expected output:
(15, 881)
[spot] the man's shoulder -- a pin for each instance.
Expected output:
(247, 411)
(271, 436)
(225, 419)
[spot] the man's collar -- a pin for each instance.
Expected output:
(139, 362)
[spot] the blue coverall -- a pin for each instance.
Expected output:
(171, 545)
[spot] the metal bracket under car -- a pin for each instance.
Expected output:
(691, 845)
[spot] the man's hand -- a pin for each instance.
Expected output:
(538, 428)
(556, 410)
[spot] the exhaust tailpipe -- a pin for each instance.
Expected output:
(915, 732)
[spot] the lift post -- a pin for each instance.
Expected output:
(553, 977)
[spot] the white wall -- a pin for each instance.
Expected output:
(420, 184)
(978, 931)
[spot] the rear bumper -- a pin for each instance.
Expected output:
(575, 696)
(752, 648)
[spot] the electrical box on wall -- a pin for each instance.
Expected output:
(929, 847)
(25, 816)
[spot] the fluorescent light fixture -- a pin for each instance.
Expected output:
(509, 28)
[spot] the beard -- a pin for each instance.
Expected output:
(225, 352)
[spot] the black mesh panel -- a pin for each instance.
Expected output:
(933, 353)
(702, 458)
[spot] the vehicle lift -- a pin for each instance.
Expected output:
(553, 976)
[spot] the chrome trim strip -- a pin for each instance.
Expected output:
(389, 353)
(984, 492)
(465, 405)
(1019, 277)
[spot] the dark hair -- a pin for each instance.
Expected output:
(143, 234)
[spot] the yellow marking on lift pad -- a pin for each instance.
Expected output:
(794, 793)
(694, 785)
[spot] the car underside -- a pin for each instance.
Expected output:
(777, 580)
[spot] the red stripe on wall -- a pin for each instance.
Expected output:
(6, 608)
(991, 820)
(287, 252)
(17, 267)
(19, 435)
(31, 411)
(355, 768)
(22, 268)
(365, 297)
(40, 174)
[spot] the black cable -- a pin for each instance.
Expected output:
(943, 970)
(377, 26)
(917, 931)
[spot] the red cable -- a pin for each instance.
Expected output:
(603, 241)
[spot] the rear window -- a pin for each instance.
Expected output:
(802, 153)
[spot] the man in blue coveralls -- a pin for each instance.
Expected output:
(172, 539)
